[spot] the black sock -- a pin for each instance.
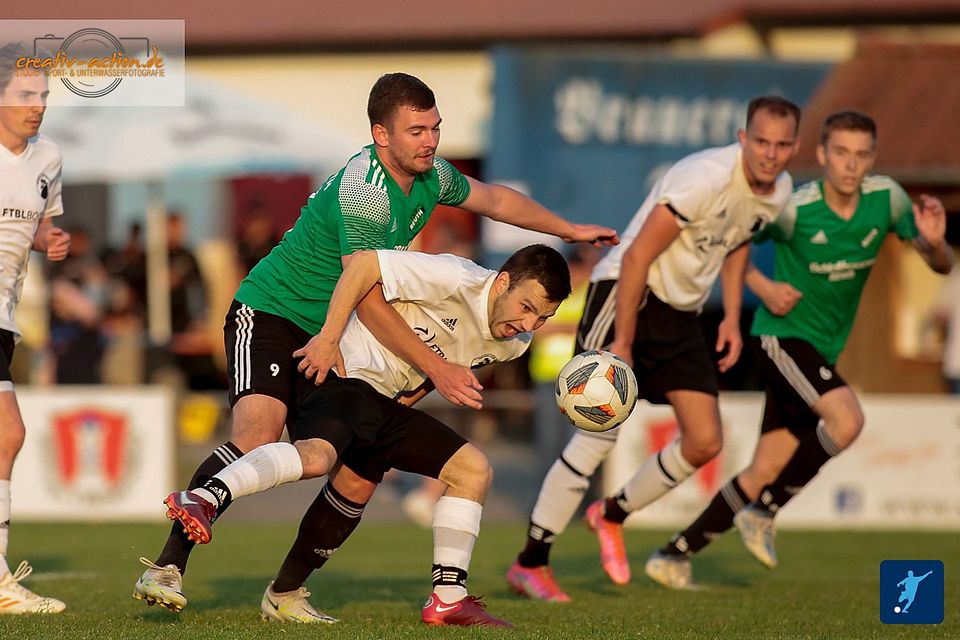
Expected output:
(178, 547)
(811, 454)
(537, 551)
(612, 509)
(715, 519)
(327, 523)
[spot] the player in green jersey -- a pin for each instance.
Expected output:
(381, 199)
(826, 241)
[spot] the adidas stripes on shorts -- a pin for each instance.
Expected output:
(795, 375)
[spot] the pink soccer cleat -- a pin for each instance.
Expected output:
(468, 612)
(194, 513)
(613, 555)
(537, 583)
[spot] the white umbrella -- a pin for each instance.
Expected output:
(218, 132)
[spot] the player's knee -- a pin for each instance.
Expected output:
(700, 451)
(12, 435)
(468, 472)
(351, 486)
(845, 427)
(317, 457)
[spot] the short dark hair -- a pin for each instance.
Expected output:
(395, 90)
(543, 264)
(9, 54)
(849, 120)
(777, 105)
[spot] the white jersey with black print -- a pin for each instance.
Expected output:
(717, 211)
(443, 298)
(29, 192)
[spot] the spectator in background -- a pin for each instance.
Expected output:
(78, 297)
(257, 238)
(947, 310)
(128, 266)
(190, 341)
(552, 347)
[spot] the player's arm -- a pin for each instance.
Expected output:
(53, 241)
(504, 204)
(454, 382)
(731, 282)
(361, 271)
(931, 220)
(778, 297)
(657, 233)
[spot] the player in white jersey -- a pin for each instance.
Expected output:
(643, 303)
(29, 199)
(466, 314)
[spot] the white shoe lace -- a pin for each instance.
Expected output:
(166, 576)
(13, 583)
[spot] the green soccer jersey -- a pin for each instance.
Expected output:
(359, 207)
(828, 259)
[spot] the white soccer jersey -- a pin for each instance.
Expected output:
(29, 191)
(447, 310)
(716, 210)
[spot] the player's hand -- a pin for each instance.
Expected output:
(931, 219)
(58, 244)
(319, 357)
(458, 385)
(780, 298)
(592, 233)
(729, 339)
(622, 351)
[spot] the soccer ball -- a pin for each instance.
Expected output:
(596, 390)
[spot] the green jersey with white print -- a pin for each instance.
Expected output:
(828, 259)
(360, 207)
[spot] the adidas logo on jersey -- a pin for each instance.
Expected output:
(450, 323)
(819, 238)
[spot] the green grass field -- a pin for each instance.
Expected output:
(826, 586)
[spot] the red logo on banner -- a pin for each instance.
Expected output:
(90, 447)
(661, 433)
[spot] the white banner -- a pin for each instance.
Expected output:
(94, 453)
(902, 472)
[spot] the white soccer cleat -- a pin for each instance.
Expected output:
(671, 571)
(758, 532)
(161, 585)
(291, 606)
(15, 598)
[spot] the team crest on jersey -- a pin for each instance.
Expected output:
(757, 225)
(482, 361)
(43, 186)
(867, 239)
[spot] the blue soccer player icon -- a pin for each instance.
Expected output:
(909, 584)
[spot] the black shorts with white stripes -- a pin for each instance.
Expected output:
(259, 348)
(7, 344)
(795, 376)
(669, 352)
(373, 433)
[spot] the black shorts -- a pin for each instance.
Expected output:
(373, 433)
(259, 348)
(669, 352)
(795, 376)
(7, 344)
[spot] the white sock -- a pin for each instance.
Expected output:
(456, 525)
(568, 480)
(4, 524)
(263, 468)
(659, 473)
